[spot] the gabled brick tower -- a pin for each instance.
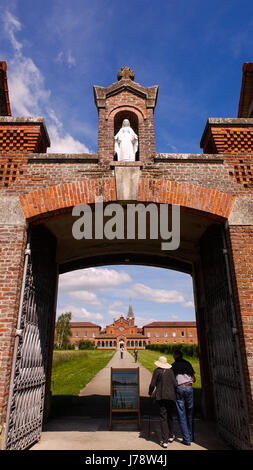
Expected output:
(126, 99)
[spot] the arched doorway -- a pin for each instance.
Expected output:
(201, 253)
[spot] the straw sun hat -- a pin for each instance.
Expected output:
(162, 362)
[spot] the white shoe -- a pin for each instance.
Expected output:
(171, 439)
(163, 444)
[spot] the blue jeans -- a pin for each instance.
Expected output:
(184, 403)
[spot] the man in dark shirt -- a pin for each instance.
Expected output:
(185, 377)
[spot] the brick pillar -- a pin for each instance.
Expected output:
(12, 247)
(241, 254)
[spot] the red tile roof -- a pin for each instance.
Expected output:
(168, 324)
(83, 324)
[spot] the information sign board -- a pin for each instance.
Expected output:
(125, 394)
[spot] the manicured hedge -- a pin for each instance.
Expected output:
(190, 350)
(86, 345)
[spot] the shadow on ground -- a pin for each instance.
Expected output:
(92, 413)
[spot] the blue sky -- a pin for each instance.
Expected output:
(103, 294)
(194, 50)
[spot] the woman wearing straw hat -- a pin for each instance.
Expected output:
(163, 380)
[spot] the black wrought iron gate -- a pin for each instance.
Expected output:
(222, 341)
(29, 372)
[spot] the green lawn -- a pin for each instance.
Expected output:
(147, 358)
(72, 371)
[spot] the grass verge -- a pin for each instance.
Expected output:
(72, 371)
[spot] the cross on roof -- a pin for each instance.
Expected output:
(125, 73)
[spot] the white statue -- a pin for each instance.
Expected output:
(126, 143)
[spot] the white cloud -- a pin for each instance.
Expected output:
(116, 303)
(141, 321)
(160, 296)
(11, 26)
(28, 94)
(86, 297)
(115, 313)
(26, 86)
(92, 278)
(189, 303)
(64, 143)
(60, 141)
(66, 58)
(79, 313)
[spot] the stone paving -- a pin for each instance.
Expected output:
(88, 427)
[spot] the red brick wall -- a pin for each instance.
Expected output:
(241, 239)
(89, 330)
(12, 245)
(115, 328)
(178, 338)
(50, 184)
(126, 101)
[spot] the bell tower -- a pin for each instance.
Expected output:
(125, 99)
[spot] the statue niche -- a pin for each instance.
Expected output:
(126, 143)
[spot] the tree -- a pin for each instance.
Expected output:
(63, 330)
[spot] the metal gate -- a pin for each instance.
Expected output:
(29, 371)
(222, 341)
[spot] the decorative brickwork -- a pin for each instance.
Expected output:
(243, 173)
(23, 135)
(10, 170)
(213, 190)
(228, 136)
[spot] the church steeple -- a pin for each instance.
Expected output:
(130, 315)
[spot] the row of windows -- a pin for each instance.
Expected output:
(110, 344)
(85, 334)
(166, 334)
(148, 334)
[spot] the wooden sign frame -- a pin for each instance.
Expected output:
(125, 410)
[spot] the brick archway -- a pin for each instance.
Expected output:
(61, 198)
(214, 192)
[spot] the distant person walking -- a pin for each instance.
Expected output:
(185, 377)
(164, 381)
(135, 354)
(121, 351)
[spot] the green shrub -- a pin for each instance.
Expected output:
(190, 350)
(86, 345)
